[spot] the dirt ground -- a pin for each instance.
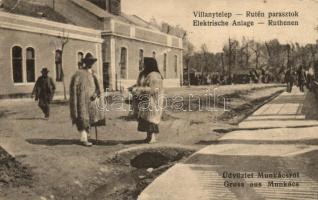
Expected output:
(61, 168)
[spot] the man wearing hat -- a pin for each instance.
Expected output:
(43, 91)
(84, 89)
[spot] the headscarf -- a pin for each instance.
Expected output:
(150, 65)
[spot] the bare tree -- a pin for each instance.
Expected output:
(62, 41)
(257, 54)
(205, 52)
(188, 53)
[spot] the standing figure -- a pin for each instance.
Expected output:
(289, 79)
(310, 78)
(135, 97)
(149, 93)
(43, 91)
(301, 78)
(84, 90)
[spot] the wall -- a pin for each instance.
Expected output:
(78, 15)
(45, 47)
(133, 47)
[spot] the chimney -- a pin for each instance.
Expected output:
(114, 7)
(111, 6)
(99, 3)
(1, 5)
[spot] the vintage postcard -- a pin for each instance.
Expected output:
(158, 100)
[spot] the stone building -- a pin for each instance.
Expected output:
(118, 40)
(27, 44)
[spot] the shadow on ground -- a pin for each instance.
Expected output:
(56, 142)
(307, 142)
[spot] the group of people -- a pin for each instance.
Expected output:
(300, 77)
(217, 78)
(86, 95)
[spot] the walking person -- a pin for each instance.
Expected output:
(301, 78)
(149, 92)
(43, 91)
(310, 78)
(84, 91)
(289, 80)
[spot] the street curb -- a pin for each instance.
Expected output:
(269, 99)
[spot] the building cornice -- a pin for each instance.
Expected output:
(49, 23)
(140, 40)
(37, 30)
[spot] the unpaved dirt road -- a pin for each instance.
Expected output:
(63, 169)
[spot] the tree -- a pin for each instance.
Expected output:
(205, 57)
(60, 44)
(187, 55)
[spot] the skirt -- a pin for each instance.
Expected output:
(149, 127)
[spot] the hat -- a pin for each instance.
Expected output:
(44, 70)
(89, 60)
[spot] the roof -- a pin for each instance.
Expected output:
(101, 13)
(33, 10)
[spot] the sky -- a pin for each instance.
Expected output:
(180, 12)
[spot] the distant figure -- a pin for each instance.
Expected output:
(289, 79)
(149, 91)
(84, 90)
(43, 91)
(301, 78)
(310, 78)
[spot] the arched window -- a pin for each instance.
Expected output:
(165, 65)
(154, 54)
(80, 56)
(176, 66)
(123, 63)
(141, 59)
(30, 64)
(58, 65)
(17, 64)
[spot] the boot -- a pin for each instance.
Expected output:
(148, 138)
(84, 139)
(152, 139)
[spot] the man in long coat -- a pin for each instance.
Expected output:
(43, 91)
(301, 78)
(84, 89)
(289, 79)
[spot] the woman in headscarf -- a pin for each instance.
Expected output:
(149, 91)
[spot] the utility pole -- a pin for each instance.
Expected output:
(222, 57)
(188, 68)
(247, 56)
(288, 54)
(230, 57)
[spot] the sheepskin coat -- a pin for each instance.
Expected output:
(150, 98)
(84, 88)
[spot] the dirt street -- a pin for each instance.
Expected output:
(63, 169)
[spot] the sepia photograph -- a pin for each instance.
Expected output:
(158, 100)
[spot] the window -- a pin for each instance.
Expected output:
(141, 59)
(30, 64)
(58, 65)
(123, 63)
(176, 66)
(165, 65)
(17, 64)
(154, 54)
(80, 56)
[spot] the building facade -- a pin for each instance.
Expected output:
(28, 44)
(119, 41)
